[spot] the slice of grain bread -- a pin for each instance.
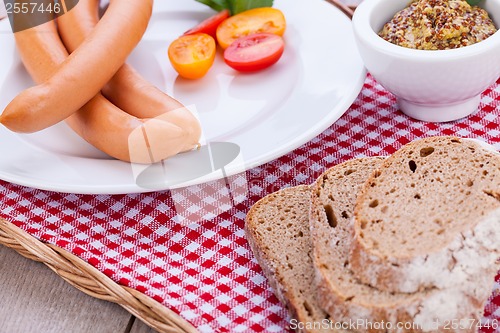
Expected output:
(429, 216)
(277, 230)
(345, 298)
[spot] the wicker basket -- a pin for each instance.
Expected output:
(91, 281)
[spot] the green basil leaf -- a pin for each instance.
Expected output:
(224, 4)
(214, 4)
(473, 2)
(238, 6)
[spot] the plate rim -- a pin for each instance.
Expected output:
(269, 155)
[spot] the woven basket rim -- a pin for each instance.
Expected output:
(91, 281)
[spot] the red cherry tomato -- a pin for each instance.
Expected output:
(254, 52)
(209, 26)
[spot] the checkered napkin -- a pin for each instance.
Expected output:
(205, 271)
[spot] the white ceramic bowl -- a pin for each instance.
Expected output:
(436, 86)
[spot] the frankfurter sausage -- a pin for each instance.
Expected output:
(127, 89)
(99, 122)
(81, 75)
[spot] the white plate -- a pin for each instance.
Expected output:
(258, 117)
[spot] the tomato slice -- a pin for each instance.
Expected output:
(209, 26)
(254, 52)
(265, 20)
(192, 55)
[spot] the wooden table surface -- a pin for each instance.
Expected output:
(34, 299)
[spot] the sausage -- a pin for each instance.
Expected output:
(100, 122)
(81, 75)
(127, 89)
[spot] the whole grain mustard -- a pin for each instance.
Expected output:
(438, 25)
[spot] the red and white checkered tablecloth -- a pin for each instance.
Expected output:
(205, 271)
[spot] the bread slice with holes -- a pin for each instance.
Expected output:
(277, 230)
(344, 298)
(430, 217)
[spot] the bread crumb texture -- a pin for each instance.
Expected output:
(429, 216)
(346, 298)
(308, 240)
(277, 229)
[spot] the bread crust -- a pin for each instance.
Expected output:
(317, 285)
(469, 251)
(275, 269)
(355, 300)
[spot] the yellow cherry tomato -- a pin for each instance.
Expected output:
(192, 55)
(258, 20)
